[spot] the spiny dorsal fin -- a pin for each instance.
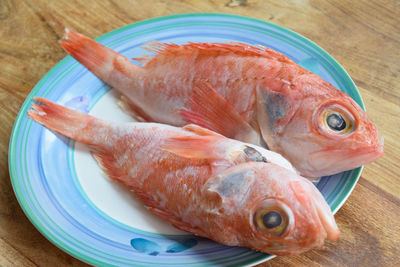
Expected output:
(159, 48)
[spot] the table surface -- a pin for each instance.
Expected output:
(364, 36)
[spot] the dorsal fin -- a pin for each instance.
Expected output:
(155, 47)
(159, 48)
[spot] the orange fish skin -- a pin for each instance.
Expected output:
(202, 182)
(268, 93)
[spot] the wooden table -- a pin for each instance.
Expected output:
(364, 36)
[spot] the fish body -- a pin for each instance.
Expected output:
(249, 93)
(235, 193)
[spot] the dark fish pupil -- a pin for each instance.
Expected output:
(336, 122)
(272, 219)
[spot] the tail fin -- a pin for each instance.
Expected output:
(99, 59)
(73, 124)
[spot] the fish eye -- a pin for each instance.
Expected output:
(335, 120)
(271, 219)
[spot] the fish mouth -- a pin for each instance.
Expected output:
(306, 192)
(332, 161)
(319, 222)
(323, 211)
(327, 220)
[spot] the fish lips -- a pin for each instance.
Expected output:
(309, 195)
(324, 212)
(332, 161)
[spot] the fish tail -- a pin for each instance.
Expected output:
(98, 134)
(78, 126)
(102, 61)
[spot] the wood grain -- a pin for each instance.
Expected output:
(364, 36)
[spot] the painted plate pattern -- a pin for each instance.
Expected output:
(69, 200)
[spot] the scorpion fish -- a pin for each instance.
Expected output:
(201, 182)
(249, 93)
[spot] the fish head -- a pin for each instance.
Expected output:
(270, 209)
(331, 135)
(322, 132)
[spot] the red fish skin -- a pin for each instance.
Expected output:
(302, 90)
(169, 77)
(236, 79)
(214, 194)
(277, 97)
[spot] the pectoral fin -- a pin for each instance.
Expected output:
(209, 109)
(193, 147)
(200, 130)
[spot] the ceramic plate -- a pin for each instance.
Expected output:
(69, 200)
